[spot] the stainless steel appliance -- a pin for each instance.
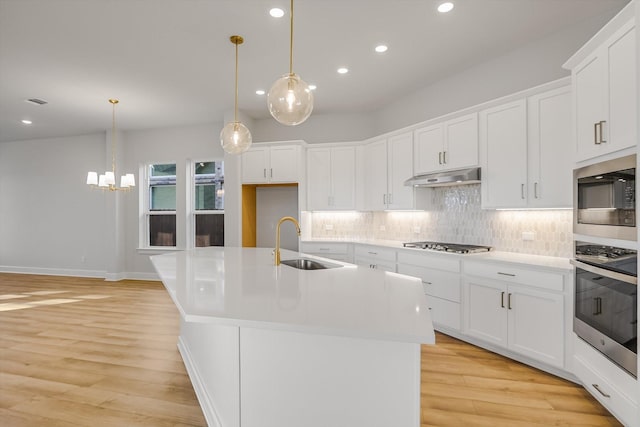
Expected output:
(606, 301)
(605, 199)
(457, 248)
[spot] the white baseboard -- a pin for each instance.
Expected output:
(109, 277)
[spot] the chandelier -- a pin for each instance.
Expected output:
(107, 181)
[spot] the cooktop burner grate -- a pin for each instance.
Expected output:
(457, 248)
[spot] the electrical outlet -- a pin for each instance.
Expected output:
(328, 226)
(527, 235)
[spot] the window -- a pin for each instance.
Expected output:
(208, 209)
(161, 204)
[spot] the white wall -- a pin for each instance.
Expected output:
(50, 221)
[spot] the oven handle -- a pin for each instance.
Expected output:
(606, 273)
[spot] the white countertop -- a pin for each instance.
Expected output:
(241, 286)
(547, 262)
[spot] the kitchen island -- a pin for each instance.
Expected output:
(270, 345)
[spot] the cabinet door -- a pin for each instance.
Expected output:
(503, 141)
(284, 163)
(622, 83)
(375, 163)
(343, 178)
(589, 81)
(399, 169)
(318, 178)
(536, 324)
(461, 142)
(254, 165)
(550, 152)
(485, 314)
(427, 146)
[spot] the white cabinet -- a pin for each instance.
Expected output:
(526, 152)
(605, 98)
(388, 163)
(331, 178)
(452, 144)
(339, 251)
(440, 275)
(515, 308)
(271, 164)
(503, 142)
(375, 257)
(549, 151)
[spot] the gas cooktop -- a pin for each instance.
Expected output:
(457, 248)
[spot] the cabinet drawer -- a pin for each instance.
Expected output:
(375, 253)
(441, 284)
(617, 403)
(538, 279)
(444, 262)
(321, 248)
(445, 313)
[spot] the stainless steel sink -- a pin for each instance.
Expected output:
(308, 264)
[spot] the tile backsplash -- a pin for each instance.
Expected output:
(454, 216)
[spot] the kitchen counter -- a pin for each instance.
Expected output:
(313, 346)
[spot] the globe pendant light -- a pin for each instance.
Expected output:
(235, 137)
(290, 100)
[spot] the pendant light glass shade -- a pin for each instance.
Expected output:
(290, 100)
(235, 137)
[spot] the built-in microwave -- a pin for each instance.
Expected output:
(605, 199)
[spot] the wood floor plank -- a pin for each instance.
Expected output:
(110, 359)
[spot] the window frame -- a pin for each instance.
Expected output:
(192, 212)
(145, 207)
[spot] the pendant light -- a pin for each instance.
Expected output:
(107, 181)
(290, 100)
(235, 137)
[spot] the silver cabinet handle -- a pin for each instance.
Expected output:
(509, 300)
(373, 253)
(390, 198)
(439, 157)
(601, 127)
(600, 391)
(595, 133)
(264, 172)
(444, 157)
(506, 274)
(427, 283)
(384, 199)
(522, 190)
(502, 299)
(271, 172)
(324, 249)
(535, 190)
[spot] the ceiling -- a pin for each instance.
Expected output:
(170, 62)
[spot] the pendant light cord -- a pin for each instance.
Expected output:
(291, 41)
(113, 136)
(235, 112)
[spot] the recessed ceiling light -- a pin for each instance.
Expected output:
(381, 48)
(445, 7)
(313, 87)
(26, 122)
(276, 12)
(343, 70)
(260, 92)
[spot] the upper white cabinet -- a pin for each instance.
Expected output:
(271, 164)
(604, 76)
(452, 144)
(388, 163)
(503, 140)
(526, 152)
(331, 178)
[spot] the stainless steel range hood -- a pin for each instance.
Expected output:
(441, 179)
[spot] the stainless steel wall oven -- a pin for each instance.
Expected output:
(606, 301)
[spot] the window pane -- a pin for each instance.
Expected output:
(162, 187)
(162, 230)
(209, 229)
(209, 181)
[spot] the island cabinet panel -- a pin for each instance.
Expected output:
(441, 279)
(290, 379)
(519, 309)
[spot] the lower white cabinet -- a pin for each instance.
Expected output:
(375, 257)
(440, 275)
(504, 306)
(339, 251)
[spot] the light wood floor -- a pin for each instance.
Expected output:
(104, 354)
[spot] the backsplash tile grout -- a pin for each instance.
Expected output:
(454, 216)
